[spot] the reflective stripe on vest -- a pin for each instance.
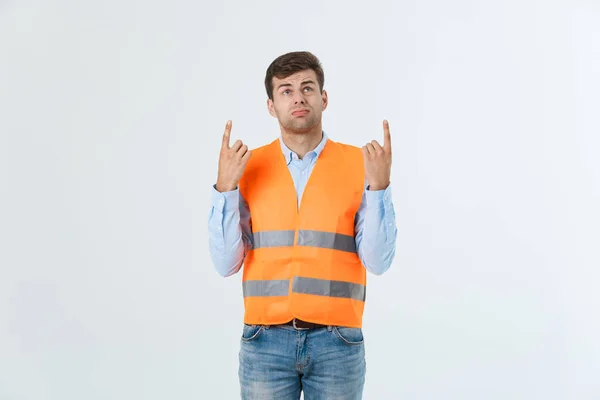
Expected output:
(319, 287)
(266, 288)
(326, 240)
(272, 239)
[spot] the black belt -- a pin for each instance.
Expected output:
(299, 324)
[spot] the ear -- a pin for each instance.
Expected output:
(325, 100)
(271, 108)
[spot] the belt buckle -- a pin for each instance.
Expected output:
(297, 328)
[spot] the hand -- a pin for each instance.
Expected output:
(232, 162)
(378, 160)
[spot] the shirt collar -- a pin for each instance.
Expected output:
(290, 155)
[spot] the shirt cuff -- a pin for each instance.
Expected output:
(225, 201)
(379, 198)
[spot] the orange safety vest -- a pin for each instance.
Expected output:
(303, 261)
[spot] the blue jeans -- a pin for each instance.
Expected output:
(278, 362)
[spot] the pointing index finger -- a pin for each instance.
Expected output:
(225, 144)
(387, 138)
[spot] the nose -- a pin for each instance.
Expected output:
(299, 98)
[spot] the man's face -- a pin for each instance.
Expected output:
(297, 102)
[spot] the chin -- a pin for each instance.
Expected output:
(303, 125)
(298, 126)
(301, 129)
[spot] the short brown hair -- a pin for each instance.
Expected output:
(290, 63)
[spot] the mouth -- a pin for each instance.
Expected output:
(300, 113)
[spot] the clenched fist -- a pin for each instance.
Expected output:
(232, 162)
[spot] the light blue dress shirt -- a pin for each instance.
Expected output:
(230, 225)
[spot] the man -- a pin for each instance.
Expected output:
(307, 217)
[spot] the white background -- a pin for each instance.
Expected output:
(111, 116)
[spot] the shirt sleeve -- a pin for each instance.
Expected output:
(229, 231)
(375, 230)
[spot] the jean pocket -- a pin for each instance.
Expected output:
(251, 332)
(349, 336)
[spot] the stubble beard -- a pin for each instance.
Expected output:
(300, 125)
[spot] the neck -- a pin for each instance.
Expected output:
(301, 142)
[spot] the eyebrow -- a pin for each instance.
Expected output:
(289, 84)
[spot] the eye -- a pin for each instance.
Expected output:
(285, 91)
(308, 87)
